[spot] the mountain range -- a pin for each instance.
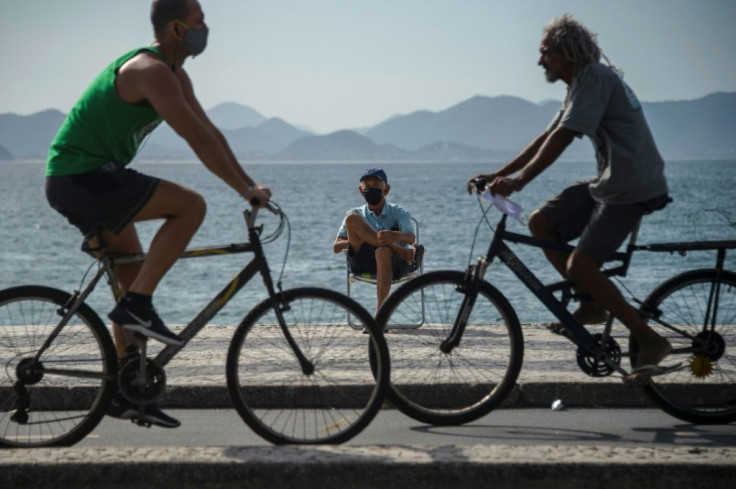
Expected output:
(478, 129)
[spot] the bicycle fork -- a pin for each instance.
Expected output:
(469, 288)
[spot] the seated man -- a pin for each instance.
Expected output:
(378, 235)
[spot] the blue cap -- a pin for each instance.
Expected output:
(374, 172)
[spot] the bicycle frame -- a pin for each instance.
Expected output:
(545, 293)
(720, 247)
(257, 265)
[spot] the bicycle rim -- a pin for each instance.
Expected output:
(447, 388)
(281, 402)
(69, 391)
(704, 390)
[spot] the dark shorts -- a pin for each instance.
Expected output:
(602, 228)
(364, 262)
(104, 199)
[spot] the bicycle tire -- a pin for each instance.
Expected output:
(704, 392)
(476, 376)
(284, 405)
(64, 406)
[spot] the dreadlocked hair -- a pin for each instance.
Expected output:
(571, 38)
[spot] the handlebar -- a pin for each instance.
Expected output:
(480, 184)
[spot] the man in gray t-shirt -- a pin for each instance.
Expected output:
(630, 181)
(599, 104)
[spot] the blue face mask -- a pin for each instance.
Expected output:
(195, 40)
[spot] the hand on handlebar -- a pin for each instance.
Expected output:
(257, 196)
(478, 183)
(503, 186)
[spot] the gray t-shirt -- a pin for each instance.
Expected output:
(601, 105)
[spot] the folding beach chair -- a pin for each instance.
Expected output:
(369, 278)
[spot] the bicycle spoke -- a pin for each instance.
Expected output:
(286, 405)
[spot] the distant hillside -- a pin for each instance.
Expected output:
(702, 127)
(29, 136)
(230, 115)
(697, 128)
(5, 155)
(478, 129)
(501, 123)
(339, 146)
(268, 137)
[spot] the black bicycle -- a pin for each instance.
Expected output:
(466, 357)
(296, 371)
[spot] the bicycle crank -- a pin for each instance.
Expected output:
(595, 365)
(141, 386)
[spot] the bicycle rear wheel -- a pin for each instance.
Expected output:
(332, 398)
(458, 386)
(60, 398)
(704, 391)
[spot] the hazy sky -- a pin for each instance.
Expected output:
(334, 64)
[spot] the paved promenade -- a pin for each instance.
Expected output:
(196, 378)
(385, 467)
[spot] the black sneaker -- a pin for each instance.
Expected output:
(146, 323)
(121, 408)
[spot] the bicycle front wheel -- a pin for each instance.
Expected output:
(329, 396)
(441, 386)
(703, 339)
(60, 397)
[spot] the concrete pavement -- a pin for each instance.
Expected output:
(387, 467)
(196, 378)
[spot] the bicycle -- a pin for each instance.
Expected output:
(296, 371)
(465, 359)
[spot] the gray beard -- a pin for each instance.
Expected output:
(551, 75)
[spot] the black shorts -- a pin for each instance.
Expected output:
(364, 262)
(107, 198)
(602, 228)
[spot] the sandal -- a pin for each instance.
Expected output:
(641, 375)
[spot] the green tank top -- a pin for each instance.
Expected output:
(101, 127)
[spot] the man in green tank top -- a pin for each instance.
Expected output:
(87, 180)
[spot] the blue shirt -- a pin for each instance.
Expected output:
(392, 218)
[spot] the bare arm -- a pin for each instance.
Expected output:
(188, 90)
(519, 162)
(340, 244)
(550, 150)
(391, 237)
(147, 79)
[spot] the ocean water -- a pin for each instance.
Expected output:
(37, 246)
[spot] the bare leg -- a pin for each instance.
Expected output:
(406, 254)
(125, 242)
(585, 272)
(359, 232)
(183, 211)
(383, 274)
(541, 227)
